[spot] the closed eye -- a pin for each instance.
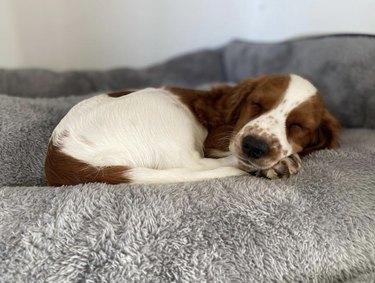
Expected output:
(295, 126)
(257, 105)
(299, 128)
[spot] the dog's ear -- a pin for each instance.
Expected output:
(326, 136)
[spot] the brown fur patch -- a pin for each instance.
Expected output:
(226, 109)
(215, 110)
(62, 169)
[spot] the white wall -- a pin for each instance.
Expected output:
(277, 20)
(87, 34)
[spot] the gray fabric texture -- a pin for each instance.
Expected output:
(318, 226)
(187, 70)
(342, 68)
(26, 125)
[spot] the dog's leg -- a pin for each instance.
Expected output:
(285, 168)
(212, 163)
(200, 169)
(149, 176)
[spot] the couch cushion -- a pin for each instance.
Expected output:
(342, 67)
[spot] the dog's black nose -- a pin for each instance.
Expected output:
(254, 147)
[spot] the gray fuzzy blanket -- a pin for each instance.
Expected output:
(318, 226)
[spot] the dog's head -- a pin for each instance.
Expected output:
(278, 116)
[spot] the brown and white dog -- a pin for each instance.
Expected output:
(164, 135)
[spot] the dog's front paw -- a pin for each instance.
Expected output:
(285, 168)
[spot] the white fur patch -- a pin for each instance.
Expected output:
(150, 131)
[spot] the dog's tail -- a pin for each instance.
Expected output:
(62, 169)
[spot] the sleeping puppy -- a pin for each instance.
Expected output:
(260, 126)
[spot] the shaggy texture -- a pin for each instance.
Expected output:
(318, 226)
(26, 125)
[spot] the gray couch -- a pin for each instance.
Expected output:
(318, 226)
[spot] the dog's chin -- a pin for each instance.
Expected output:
(249, 166)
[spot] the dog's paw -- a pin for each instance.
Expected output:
(285, 168)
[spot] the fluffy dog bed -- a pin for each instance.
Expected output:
(318, 226)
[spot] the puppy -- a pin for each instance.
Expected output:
(161, 135)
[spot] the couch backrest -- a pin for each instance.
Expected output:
(342, 67)
(188, 70)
